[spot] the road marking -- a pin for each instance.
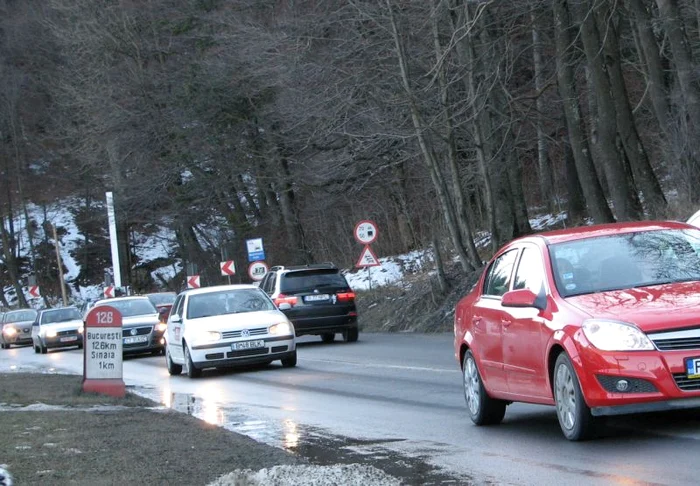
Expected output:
(383, 366)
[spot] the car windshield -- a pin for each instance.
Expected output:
(60, 315)
(308, 280)
(161, 299)
(228, 302)
(626, 261)
(132, 307)
(20, 316)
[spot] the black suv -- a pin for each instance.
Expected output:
(319, 299)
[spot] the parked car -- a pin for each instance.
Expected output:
(225, 326)
(17, 327)
(57, 328)
(600, 320)
(316, 298)
(141, 329)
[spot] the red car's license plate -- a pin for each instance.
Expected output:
(692, 367)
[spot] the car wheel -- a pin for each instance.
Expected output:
(44, 349)
(37, 350)
(351, 335)
(173, 369)
(483, 410)
(290, 361)
(189, 367)
(80, 346)
(328, 337)
(4, 346)
(574, 416)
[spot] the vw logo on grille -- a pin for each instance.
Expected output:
(134, 332)
(245, 333)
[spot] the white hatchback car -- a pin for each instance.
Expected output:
(226, 326)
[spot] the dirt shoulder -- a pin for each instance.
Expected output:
(52, 433)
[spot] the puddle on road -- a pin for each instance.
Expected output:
(314, 444)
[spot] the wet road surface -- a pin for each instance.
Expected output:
(395, 401)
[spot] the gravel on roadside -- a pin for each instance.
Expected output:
(52, 433)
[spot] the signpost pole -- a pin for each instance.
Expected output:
(60, 266)
(369, 277)
(113, 242)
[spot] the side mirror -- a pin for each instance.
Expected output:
(284, 306)
(523, 298)
(175, 319)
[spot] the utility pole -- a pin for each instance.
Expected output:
(60, 265)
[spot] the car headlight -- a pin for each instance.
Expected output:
(51, 334)
(207, 336)
(281, 329)
(616, 336)
(81, 329)
(161, 327)
(10, 331)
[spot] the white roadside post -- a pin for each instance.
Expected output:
(102, 359)
(114, 244)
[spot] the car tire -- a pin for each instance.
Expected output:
(290, 361)
(328, 337)
(173, 369)
(80, 346)
(351, 335)
(575, 418)
(189, 367)
(4, 346)
(37, 350)
(44, 349)
(482, 409)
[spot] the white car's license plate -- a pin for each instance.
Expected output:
(68, 339)
(316, 298)
(135, 339)
(260, 343)
(692, 367)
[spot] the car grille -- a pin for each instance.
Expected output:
(259, 331)
(67, 333)
(676, 340)
(214, 356)
(686, 384)
(140, 331)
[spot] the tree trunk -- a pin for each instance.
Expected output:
(481, 122)
(11, 260)
(652, 61)
(290, 216)
(624, 199)
(543, 162)
(644, 177)
(685, 71)
(590, 185)
(442, 279)
(458, 192)
(576, 200)
(428, 154)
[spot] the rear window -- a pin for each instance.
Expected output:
(308, 280)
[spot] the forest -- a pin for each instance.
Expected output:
(291, 120)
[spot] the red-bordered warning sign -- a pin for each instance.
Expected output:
(365, 232)
(368, 258)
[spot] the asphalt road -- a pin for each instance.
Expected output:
(401, 393)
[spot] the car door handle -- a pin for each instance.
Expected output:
(476, 321)
(506, 322)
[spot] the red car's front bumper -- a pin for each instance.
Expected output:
(653, 380)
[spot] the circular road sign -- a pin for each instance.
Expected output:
(365, 232)
(257, 270)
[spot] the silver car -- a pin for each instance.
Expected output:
(57, 328)
(142, 330)
(17, 327)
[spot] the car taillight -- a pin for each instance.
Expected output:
(346, 296)
(285, 299)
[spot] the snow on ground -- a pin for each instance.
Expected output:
(348, 474)
(391, 270)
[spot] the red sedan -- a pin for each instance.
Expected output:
(600, 320)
